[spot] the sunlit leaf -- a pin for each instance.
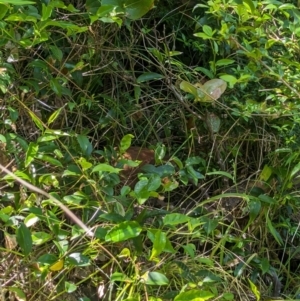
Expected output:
(194, 295)
(123, 231)
(31, 153)
(154, 278)
(175, 219)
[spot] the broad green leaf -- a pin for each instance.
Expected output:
(154, 278)
(209, 224)
(159, 244)
(49, 159)
(70, 287)
(266, 173)
(38, 238)
(254, 209)
(148, 77)
(19, 294)
(78, 259)
(46, 12)
(125, 143)
(47, 259)
(120, 277)
(31, 219)
(250, 4)
(56, 86)
(189, 249)
(267, 199)
(175, 219)
(106, 168)
(84, 164)
(123, 231)
(228, 296)
(202, 35)
(3, 10)
(194, 295)
(24, 239)
(224, 62)
(189, 88)
(31, 153)
(84, 143)
(135, 9)
(265, 265)
(56, 52)
(208, 30)
(230, 79)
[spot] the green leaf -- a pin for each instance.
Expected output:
(159, 244)
(148, 77)
(224, 62)
(84, 164)
(194, 295)
(46, 12)
(209, 224)
(267, 199)
(189, 88)
(56, 52)
(265, 265)
(19, 294)
(70, 287)
(107, 168)
(135, 9)
(31, 153)
(37, 121)
(54, 116)
(154, 278)
(123, 231)
(47, 259)
(250, 4)
(254, 209)
(49, 159)
(78, 259)
(254, 290)
(31, 219)
(85, 144)
(3, 10)
(56, 86)
(208, 30)
(125, 143)
(266, 173)
(38, 238)
(274, 232)
(175, 219)
(120, 277)
(17, 2)
(221, 173)
(230, 79)
(24, 239)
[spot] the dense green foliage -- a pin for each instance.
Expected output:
(170, 129)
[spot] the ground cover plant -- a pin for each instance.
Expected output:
(149, 150)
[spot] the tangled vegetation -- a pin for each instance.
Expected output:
(149, 150)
